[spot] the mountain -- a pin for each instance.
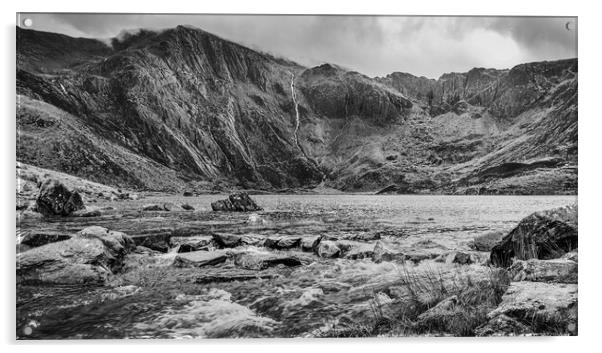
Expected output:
(184, 109)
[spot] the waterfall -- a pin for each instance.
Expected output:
(294, 94)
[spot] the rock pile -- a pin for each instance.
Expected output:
(237, 202)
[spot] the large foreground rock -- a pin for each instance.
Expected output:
(238, 202)
(90, 256)
(55, 199)
(542, 235)
(534, 307)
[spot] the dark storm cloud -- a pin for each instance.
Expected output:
(426, 46)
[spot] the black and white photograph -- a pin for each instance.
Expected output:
(220, 176)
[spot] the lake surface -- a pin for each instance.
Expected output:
(159, 301)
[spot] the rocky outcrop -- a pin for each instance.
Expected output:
(91, 256)
(534, 307)
(340, 94)
(238, 202)
(542, 235)
(56, 200)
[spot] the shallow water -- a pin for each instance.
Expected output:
(159, 301)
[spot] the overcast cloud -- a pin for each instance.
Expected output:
(373, 45)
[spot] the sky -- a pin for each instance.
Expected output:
(372, 45)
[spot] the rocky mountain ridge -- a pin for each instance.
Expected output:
(184, 109)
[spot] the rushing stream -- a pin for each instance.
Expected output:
(157, 300)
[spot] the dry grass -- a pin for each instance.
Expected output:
(464, 303)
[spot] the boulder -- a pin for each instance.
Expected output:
(192, 243)
(152, 207)
(55, 199)
(382, 253)
(486, 241)
(187, 207)
(158, 241)
(462, 258)
(261, 261)
(188, 193)
(282, 242)
(356, 250)
(237, 202)
(200, 258)
(555, 270)
(542, 235)
(545, 308)
(366, 236)
(328, 249)
(170, 206)
(89, 257)
(230, 240)
(310, 244)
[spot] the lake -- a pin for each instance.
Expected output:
(156, 300)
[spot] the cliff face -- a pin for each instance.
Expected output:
(197, 106)
(185, 109)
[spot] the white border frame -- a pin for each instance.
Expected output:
(590, 315)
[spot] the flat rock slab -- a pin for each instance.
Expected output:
(232, 276)
(556, 270)
(192, 243)
(261, 261)
(230, 240)
(39, 238)
(546, 308)
(200, 258)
